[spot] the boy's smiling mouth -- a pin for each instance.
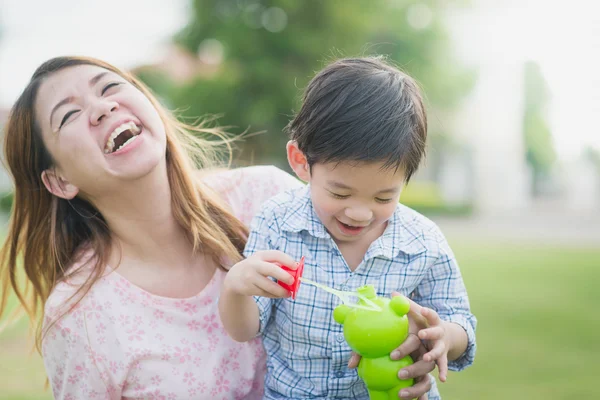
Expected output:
(351, 230)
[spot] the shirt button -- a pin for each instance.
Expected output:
(345, 288)
(339, 374)
(340, 337)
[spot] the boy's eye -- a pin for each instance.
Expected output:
(110, 85)
(377, 199)
(339, 196)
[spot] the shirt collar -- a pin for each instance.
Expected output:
(301, 215)
(397, 237)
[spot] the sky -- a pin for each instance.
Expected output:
(564, 37)
(123, 32)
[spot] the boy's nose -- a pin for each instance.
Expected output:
(359, 214)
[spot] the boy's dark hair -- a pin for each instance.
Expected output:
(362, 110)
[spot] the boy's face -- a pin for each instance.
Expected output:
(355, 200)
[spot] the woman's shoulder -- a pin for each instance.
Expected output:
(80, 289)
(220, 179)
(247, 189)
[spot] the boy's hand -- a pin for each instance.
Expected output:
(436, 338)
(414, 347)
(250, 277)
(425, 326)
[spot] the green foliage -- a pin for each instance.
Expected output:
(161, 84)
(422, 193)
(259, 83)
(593, 155)
(426, 198)
(6, 201)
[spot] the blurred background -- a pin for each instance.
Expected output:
(512, 174)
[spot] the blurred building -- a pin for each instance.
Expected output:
(490, 124)
(180, 65)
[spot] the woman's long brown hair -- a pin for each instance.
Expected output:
(47, 233)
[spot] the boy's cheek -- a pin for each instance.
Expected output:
(325, 206)
(385, 214)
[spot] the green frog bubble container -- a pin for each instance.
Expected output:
(373, 327)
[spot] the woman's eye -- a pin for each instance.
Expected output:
(66, 117)
(110, 85)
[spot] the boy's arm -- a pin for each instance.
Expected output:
(443, 290)
(239, 315)
(457, 336)
(245, 316)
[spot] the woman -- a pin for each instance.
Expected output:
(124, 247)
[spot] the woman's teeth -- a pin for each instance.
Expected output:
(123, 135)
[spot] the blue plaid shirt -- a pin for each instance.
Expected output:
(307, 354)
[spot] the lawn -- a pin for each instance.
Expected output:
(537, 333)
(22, 374)
(538, 325)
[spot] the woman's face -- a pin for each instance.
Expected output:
(100, 130)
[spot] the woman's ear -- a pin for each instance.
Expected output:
(58, 186)
(298, 161)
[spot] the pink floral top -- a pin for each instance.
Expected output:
(121, 342)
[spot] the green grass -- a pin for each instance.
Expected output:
(537, 333)
(22, 375)
(537, 323)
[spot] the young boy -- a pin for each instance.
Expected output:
(357, 140)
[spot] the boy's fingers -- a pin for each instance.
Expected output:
(418, 319)
(443, 367)
(435, 333)
(418, 390)
(416, 370)
(268, 269)
(414, 312)
(432, 317)
(271, 288)
(276, 256)
(411, 344)
(414, 306)
(257, 291)
(436, 353)
(354, 360)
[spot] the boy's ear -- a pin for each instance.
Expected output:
(59, 186)
(298, 161)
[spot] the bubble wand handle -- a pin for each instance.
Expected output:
(345, 297)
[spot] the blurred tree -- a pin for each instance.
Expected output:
(593, 155)
(256, 56)
(539, 147)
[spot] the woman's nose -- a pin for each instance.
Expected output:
(102, 108)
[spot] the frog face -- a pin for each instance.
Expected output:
(374, 333)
